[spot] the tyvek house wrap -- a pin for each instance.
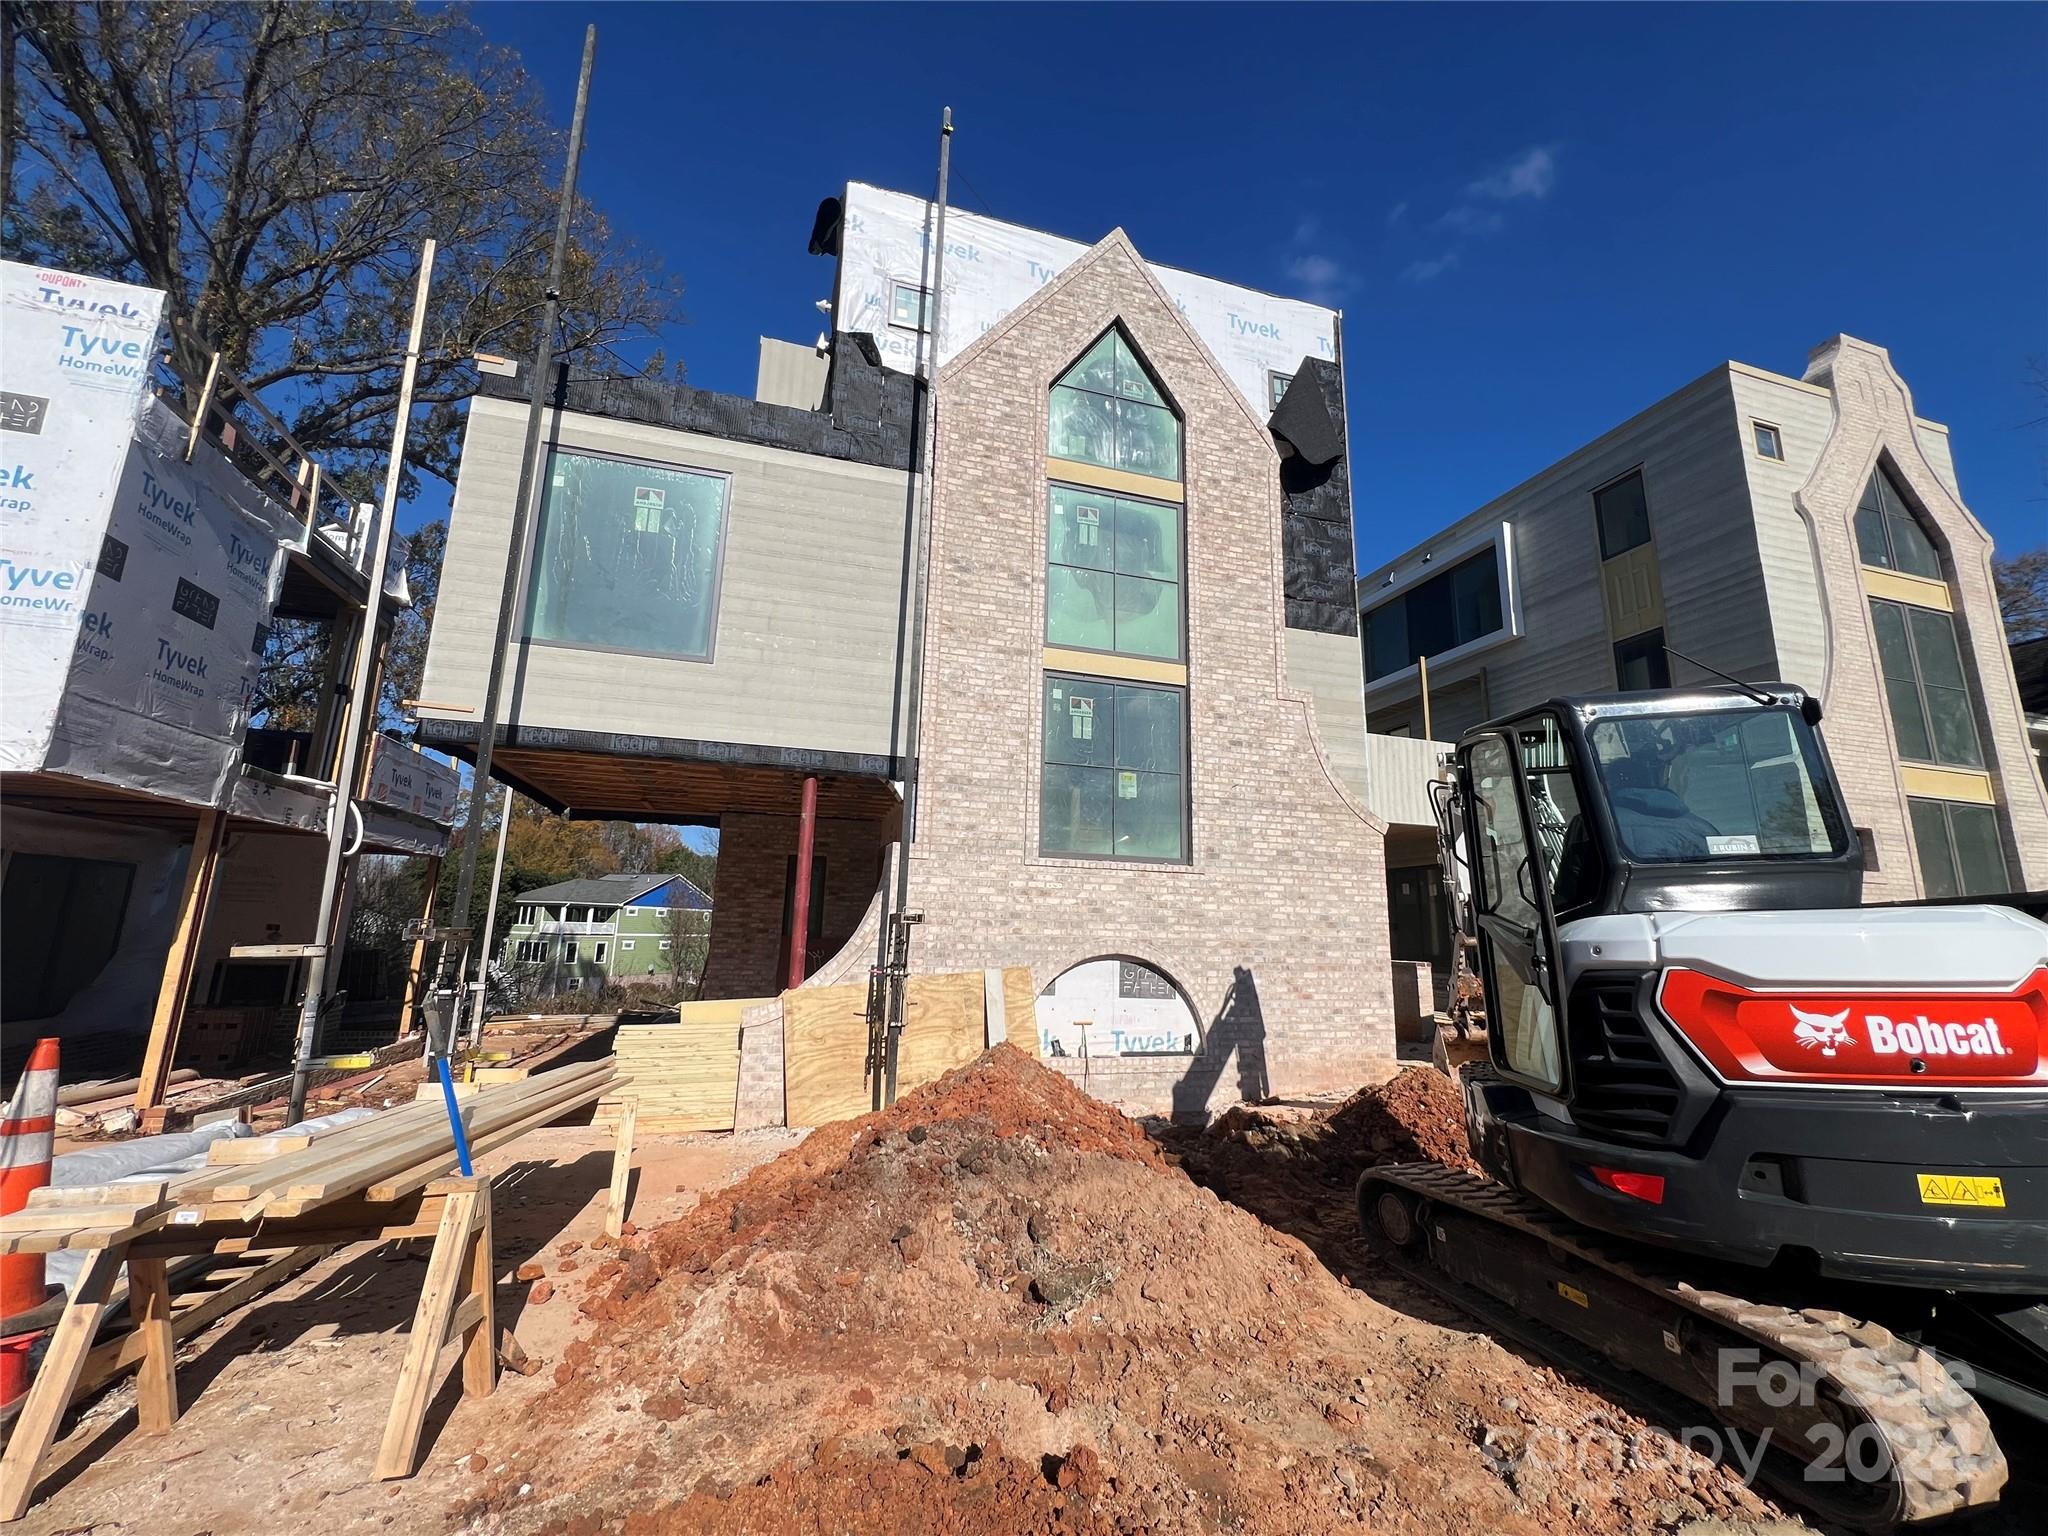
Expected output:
(992, 267)
(159, 577)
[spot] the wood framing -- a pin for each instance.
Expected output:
(194, 899)
(417, 962)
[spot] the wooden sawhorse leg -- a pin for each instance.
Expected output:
(455, 1299)
(70, 1341)
(622, 1170)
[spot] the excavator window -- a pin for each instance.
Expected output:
(1571, 858)
(1510, 922)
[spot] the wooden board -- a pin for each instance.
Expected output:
(825, 1042)
(1020, 1008)
(686, 1075)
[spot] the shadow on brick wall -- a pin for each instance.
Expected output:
(1237, 1031)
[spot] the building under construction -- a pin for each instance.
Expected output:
(1141, 745)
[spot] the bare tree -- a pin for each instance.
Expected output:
(2023, 593)
(688, 937)
(275, 167)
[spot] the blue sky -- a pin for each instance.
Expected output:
(1537, 220)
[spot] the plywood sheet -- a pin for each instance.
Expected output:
(1020, 1008)
(686, 1075)
(825, 1042)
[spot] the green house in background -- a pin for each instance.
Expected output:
(577, 935)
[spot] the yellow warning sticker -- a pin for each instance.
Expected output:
(1573, 1294)
(1961, 1189)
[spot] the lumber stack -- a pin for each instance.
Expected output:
(390, 1155)
(685, 1074)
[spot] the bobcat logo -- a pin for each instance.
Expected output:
(1825, 1030)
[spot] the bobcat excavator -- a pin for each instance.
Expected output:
(1773, 1160)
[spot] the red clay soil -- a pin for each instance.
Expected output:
(997, 1308)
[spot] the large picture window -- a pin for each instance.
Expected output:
(1888, 535)
(1924, 685)
(628, 556)
(1958, 849)
(1107, 411)
(1452, 608)
(1115, 771)
(1113, 574)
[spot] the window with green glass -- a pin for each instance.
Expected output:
(1925, 686)
(1107, 410)
(1958, 849)
(1114, 780)
(1888, 535)
(1113, 573)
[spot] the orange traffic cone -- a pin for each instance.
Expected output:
(28, 1136)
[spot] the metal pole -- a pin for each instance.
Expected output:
(800, 902)
(1422, 677)
(511, 600)
(927, 456)
(362, 705)
(483, 962)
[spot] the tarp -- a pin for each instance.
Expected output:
(992, 267)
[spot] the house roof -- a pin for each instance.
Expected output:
(618, 891)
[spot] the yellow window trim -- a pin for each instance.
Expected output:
(1963, 784)
(1129, 669)
(1917, 591)
(1119, 480)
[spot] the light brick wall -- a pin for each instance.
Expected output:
(1874, 413)
(746, 911)
(1277, 930)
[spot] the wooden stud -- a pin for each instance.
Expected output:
(156, 1384)
(193, 901)
(480, 1350)
(70, 1342)
(622, 1168)
(439, 1295)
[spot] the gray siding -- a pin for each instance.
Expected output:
(1804, 416)
(793, 375)
(806, 644)
(1328, 669)
(1691, 453)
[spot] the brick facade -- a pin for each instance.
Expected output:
(1874, 416)
(1276, 931)
(753, 874)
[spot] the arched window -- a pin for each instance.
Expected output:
(1888, 536)
(1116, 1006)
(1107, 410)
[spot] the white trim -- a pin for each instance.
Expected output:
(1426, 563)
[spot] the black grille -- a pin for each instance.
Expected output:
(1620, 1085)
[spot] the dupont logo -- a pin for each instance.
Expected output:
(1919, 1036)
(195, 603)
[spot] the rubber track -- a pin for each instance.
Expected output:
(1943, 1455)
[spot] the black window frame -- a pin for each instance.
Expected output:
(1442, 585)
(923, 324)
(1891, 509)
(1920, 685)
(1152, 379)
(1600, 518)
(1180, 579)
(1276, 387)
(1947, 809)
(1187, 797)
(1776, 452)
(1648, 644)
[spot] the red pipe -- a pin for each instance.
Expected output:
(800, 908)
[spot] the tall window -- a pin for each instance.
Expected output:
(1113, 574)
(1115, 770)
(1925, 686)
(1623, 513)
(628, 556)
(1107, 411)
(1452, 608)
(1958, 848)
(1889, 536)
(1640, 662)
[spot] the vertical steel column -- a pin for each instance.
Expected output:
(800, 907)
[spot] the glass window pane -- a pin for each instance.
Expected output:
(1148, 540)
(1767, 442)
(1080, 608)
(1080, 528)
(1955, 732)
(1148, 816)
(1870, 542)
(627, 556)
(1074, 810)
(1432, 625)
(1097, 368)
(1475, 597)
(1909, 722)
(1912, 549)
(1132, 382)
(1624, 516)
(1148, 440)
(1934, 647)
(908, 306)
(1872, 500)
(1148, 729)
(1386, 640)
(1931, 847)
(1503, 839)
(1082, 428)
(1980, 862)
(1147, 618)
(1077, 721)
(1894, 655)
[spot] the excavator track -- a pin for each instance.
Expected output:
(1862, 1427)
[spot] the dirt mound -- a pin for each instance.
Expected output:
(996, 1308)
(1417, 1117)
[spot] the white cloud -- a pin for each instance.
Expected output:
(1430, 269)
(1464, 219)
(1397, 215)
(1323, 279)
(1530, 174)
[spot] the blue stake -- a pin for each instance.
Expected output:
(455, 1119)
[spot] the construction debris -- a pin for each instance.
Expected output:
(998, 1307)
